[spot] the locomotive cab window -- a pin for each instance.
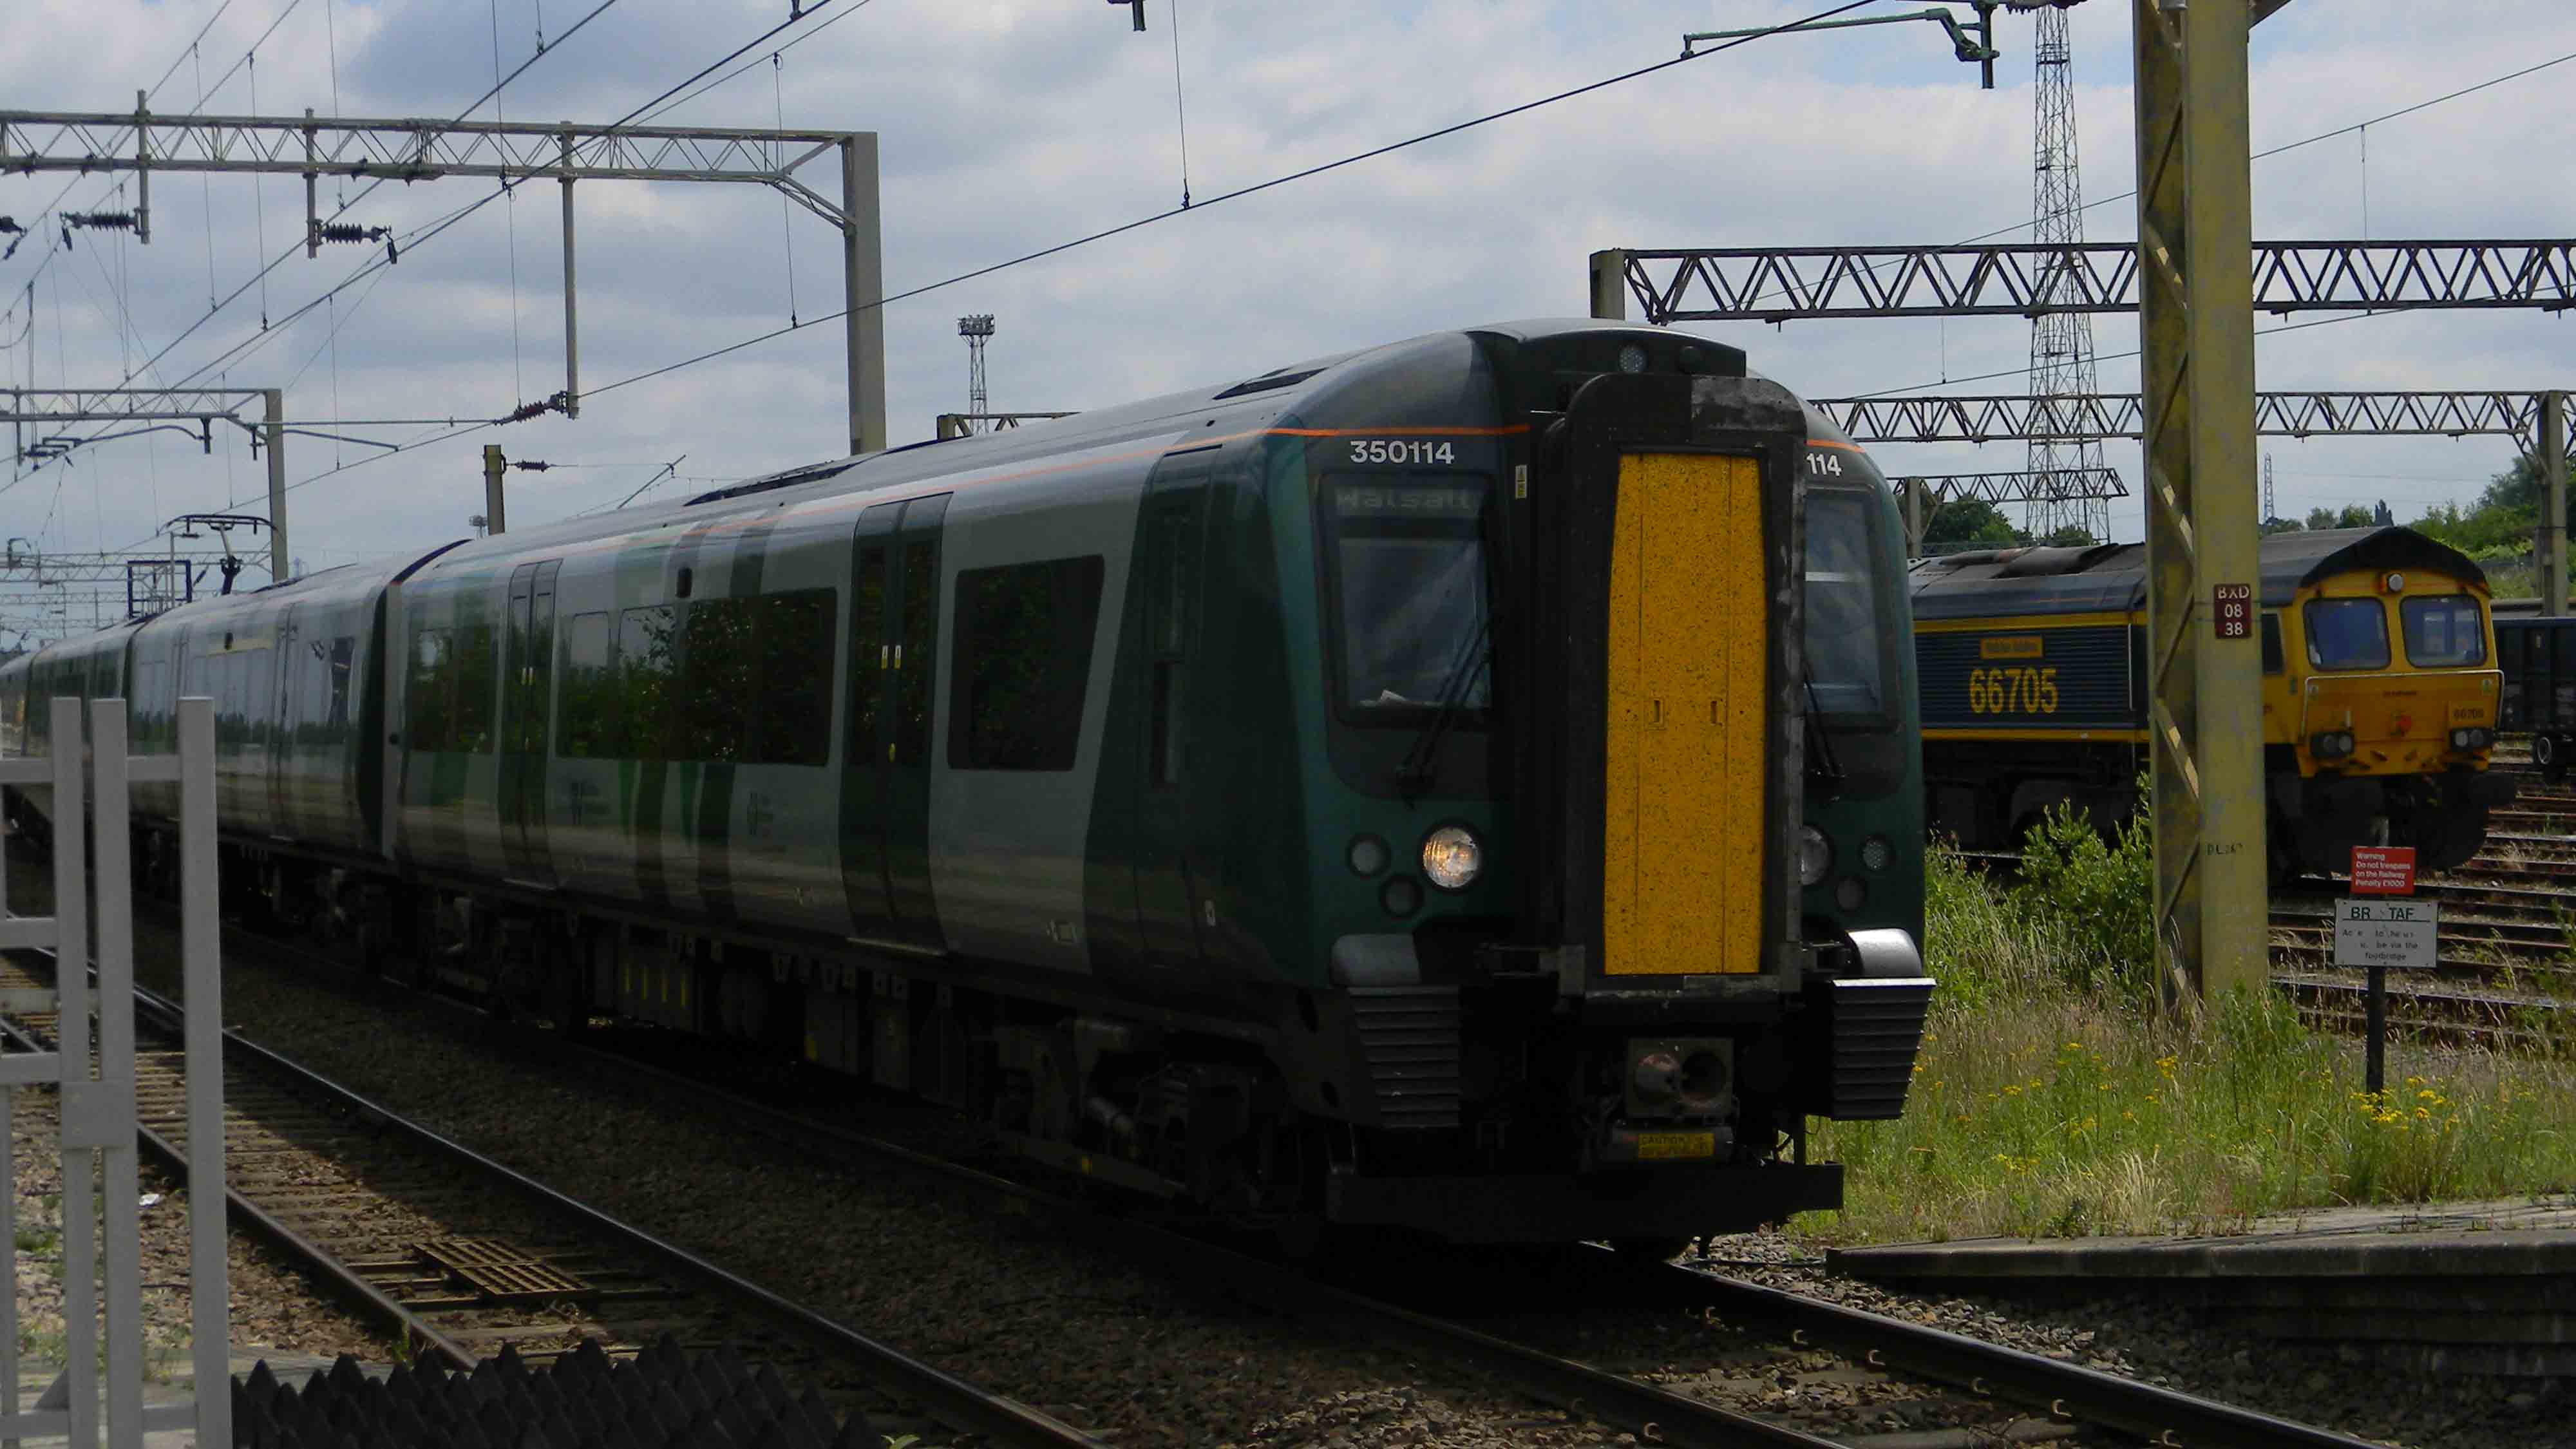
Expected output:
(1846, 664)
(2446, 630)
(1409, 594)
(2347, 634)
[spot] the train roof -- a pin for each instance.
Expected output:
(2112, 577)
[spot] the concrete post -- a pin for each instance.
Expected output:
(275, 432)
(493, 463)
(572, 327)
(863, 291)
(1610, 285)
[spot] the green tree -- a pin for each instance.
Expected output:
(1970, 521)
(2282, 525)
(2072, 535)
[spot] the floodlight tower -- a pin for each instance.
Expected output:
(2061, 342)
(977, 330)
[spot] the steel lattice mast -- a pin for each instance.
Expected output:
(2061, 342)
(977, 330)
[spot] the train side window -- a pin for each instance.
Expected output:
(756, 669)
(2443, 631)
(589, 721)
(2272, 661)
(795, 638)
(477, 669)
(342, 660)
(428, 696)
(2347, 634)
(1023, 664)
(648, 656)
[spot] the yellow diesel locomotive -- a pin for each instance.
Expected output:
(2380, 692)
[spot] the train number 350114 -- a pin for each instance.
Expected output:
(2014, 689)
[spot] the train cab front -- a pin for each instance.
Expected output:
(1706, 825)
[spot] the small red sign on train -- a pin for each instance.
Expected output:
(2383, 870)
(2232, 609)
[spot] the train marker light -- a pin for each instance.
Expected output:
(1368, 855)
(1876, 854)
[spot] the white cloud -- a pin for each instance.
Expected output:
(1009, 127)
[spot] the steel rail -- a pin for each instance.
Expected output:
(1654, 1414)
(2159, 1415)
(337, 1277)
(947, 1398)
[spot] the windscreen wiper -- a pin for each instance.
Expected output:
(1821, 762)
(1414, 774)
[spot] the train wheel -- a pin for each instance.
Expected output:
(2550, 754)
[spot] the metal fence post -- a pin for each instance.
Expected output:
(112, 1117)
(72, 996)
(209, 1286)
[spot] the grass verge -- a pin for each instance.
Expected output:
(2053, 1098)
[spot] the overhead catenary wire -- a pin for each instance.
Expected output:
(1236, 194)
(425, 233)
(261, 277)
(666, 107)
(1239, 193)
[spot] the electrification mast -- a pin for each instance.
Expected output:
(2061, 341)
(977, 330)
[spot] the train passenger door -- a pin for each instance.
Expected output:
(894, 658)
(527, 717)
(1168, 891)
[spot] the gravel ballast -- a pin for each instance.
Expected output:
(1003, 1300)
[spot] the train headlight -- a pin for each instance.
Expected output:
(1452, 858)
(2332, 745)
(1876, 854)
(1815, 855)
(1632, 358)
(2471, 739)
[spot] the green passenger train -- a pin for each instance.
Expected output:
(1468, 785)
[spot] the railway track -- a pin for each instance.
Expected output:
(1864, 1356)
(458, 1256)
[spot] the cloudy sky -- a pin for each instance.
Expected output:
(1009, 127)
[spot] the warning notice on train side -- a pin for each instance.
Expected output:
(2393, 933)
(2383, 870)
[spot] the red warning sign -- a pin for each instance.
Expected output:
(2383, 870)
(2232, 609)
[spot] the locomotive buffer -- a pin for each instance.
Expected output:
(2381, 925)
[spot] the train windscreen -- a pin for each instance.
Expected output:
(1409, 566)
(2444, 632)
(2347, 634)
(1845, 657)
